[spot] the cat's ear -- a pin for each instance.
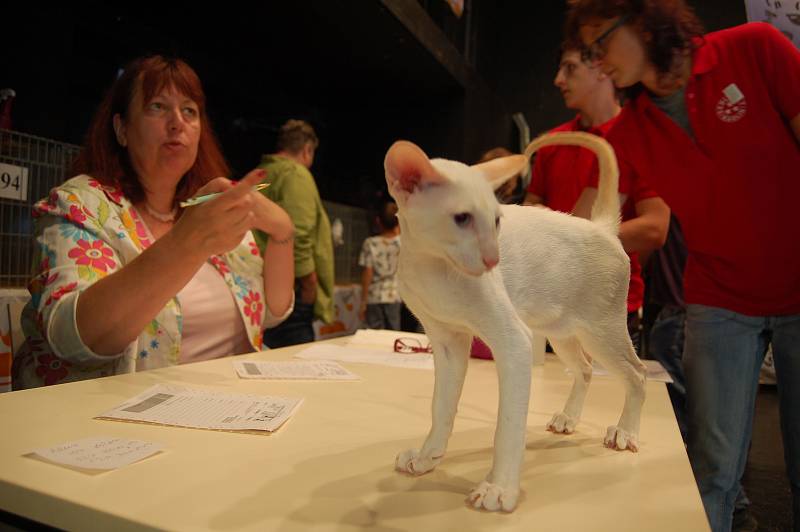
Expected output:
(498, 171)
(408, 168)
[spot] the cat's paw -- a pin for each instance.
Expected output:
(493, 497)
(621, 440)
(562, 424)
(413, 463)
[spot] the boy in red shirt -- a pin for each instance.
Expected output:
(561, 174)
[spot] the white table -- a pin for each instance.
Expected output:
(331, 466)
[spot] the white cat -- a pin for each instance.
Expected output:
(558, 275)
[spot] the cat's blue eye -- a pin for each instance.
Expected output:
(462, 219)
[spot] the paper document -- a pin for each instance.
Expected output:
(368, 356)
(382, 338)
(99, 453)
(293, 369)
(205, 409)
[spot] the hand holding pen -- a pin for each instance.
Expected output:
(206, 197)
(215, 227)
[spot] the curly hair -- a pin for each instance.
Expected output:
(673, 26)
(103, 158)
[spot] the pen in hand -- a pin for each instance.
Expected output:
(202, 199)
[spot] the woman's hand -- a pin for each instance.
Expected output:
(219, 225)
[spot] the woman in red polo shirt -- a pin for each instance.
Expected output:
(713, 124)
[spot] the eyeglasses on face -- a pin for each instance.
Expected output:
(411, 345)
(597, 48)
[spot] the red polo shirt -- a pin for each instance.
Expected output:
(735, 186)
(560, 173)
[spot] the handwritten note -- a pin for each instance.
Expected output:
(99, 453)
(293, 369)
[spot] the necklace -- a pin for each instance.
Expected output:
(161, 216)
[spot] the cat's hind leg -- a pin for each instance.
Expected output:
(613, 349)
(571, 353)
(450, 355)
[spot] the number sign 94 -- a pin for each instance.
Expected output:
(13, 182)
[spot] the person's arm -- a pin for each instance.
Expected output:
(648, 230)
(535, 193)
(583, 207)
(779, 62)
(113, 311)
(532, 199)
(366, 280)
(299, 202)
(365, 261)
(278, 255)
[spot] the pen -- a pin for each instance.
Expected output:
(203, 199)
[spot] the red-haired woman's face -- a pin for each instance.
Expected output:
(161, 136)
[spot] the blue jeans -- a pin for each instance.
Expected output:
(383, 316)
(296, 329)
(665, 344)
(722, 357)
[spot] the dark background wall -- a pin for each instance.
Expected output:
(363, 72)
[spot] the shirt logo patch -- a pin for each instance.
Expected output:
(732, 106)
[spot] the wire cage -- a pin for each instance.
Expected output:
(355, 228)
(48, 163)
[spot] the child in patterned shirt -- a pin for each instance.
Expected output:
(380, 302)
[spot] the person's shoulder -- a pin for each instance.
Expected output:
(82, 194)
(622, 125)
(545, 152)
(294, 169)
(749, 32)
(569, 125)
(86, 188)
(79, 183)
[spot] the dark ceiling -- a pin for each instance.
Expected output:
(357, 70)
(350, 68)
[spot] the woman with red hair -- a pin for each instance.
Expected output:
(127, 279)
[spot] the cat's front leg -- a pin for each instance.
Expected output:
(512, 353)
(450, 355)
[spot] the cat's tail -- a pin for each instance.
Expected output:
(605, 210)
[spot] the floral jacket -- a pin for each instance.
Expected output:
(85, 231)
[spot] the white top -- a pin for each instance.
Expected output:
(212, 325)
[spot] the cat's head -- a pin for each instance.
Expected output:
(447, 208)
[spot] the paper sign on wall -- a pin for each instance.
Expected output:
(13, 182)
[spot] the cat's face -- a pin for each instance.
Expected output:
(448, 208)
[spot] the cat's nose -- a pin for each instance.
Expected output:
(490, 263)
